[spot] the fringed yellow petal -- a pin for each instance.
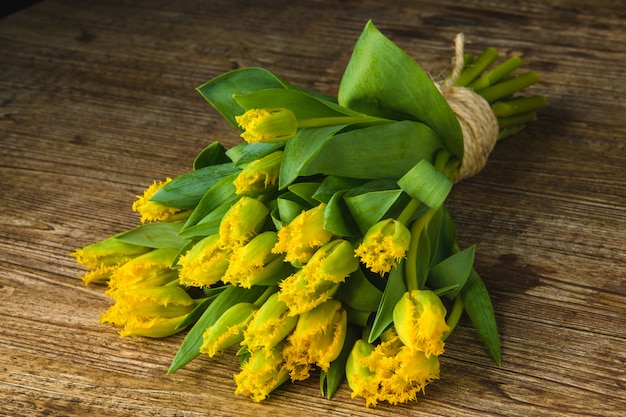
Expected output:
(262, 373)
(149, 311)
(151, 211)
(269, 326)
(299, 239)
(389, 372)
(148, 270)
(420, 320)
(384, 245)
(317, 339)
(259, 176)
(254, 262)
(242, 222)
(228, 329)
(318, 280)
(267, 125)
(102, 258)
(204, 264)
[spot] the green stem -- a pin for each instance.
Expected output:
(474, 70)
(410, 267)
(339, 120)
(518, 119)
(266, 294)
(510, 131)
(408, 211)
(454, 316)
(518, 105)
(506, 88)
(496, 74)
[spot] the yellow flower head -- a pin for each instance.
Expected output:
(204, 264)
(318, 280)
(389, 372)
(254, 262)
(151, 211)
(384, 245)
(420, 320)
(317, 339)
(299, 239)
(259, 176)
(104, 257)
(267, 125)
(362, 380)
(262, 373)
(269, 326)
(149, 311)
(148, 270)
(242, 222)
(228, 329)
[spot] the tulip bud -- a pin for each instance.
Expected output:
(151, 269)
(318, 280)
(269, 326)
(260, 175)
(149, 311)
(317, 339)
(419, 319)
(254, 262)
(204, 264)
(104, 257)
(384, 244)
(244, 220)
(228, 329)
(262, 373)
(389, 371)
(267, 125)
(299, 239)
(151, 211)
(361, 379)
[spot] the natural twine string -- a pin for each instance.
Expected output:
(477, 120)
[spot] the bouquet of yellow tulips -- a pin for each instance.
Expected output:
(322, 240)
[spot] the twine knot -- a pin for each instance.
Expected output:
(478, 122)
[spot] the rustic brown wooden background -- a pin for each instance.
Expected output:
(97, 99)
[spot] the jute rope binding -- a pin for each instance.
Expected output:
(479, 124)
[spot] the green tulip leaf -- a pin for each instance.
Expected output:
(186, 190)
(190, 347)
(155, 235)
(305, 190)
(424, 183)
(209, 224)
(214, 154)
(386, 150)
(359, 293)
(384, 81)
(396, 287)
(337, 217)
(372, 202)
(290, 206)
(453, 270)
(220, 91)
(332, 184)
(220, 193)
(300, 149)
(480, 311)
(303, 105)
(250, 152)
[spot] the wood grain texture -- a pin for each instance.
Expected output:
(97, 99)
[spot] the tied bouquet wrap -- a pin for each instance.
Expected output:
(322, 242)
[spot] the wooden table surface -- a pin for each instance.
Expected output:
(97, 99)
